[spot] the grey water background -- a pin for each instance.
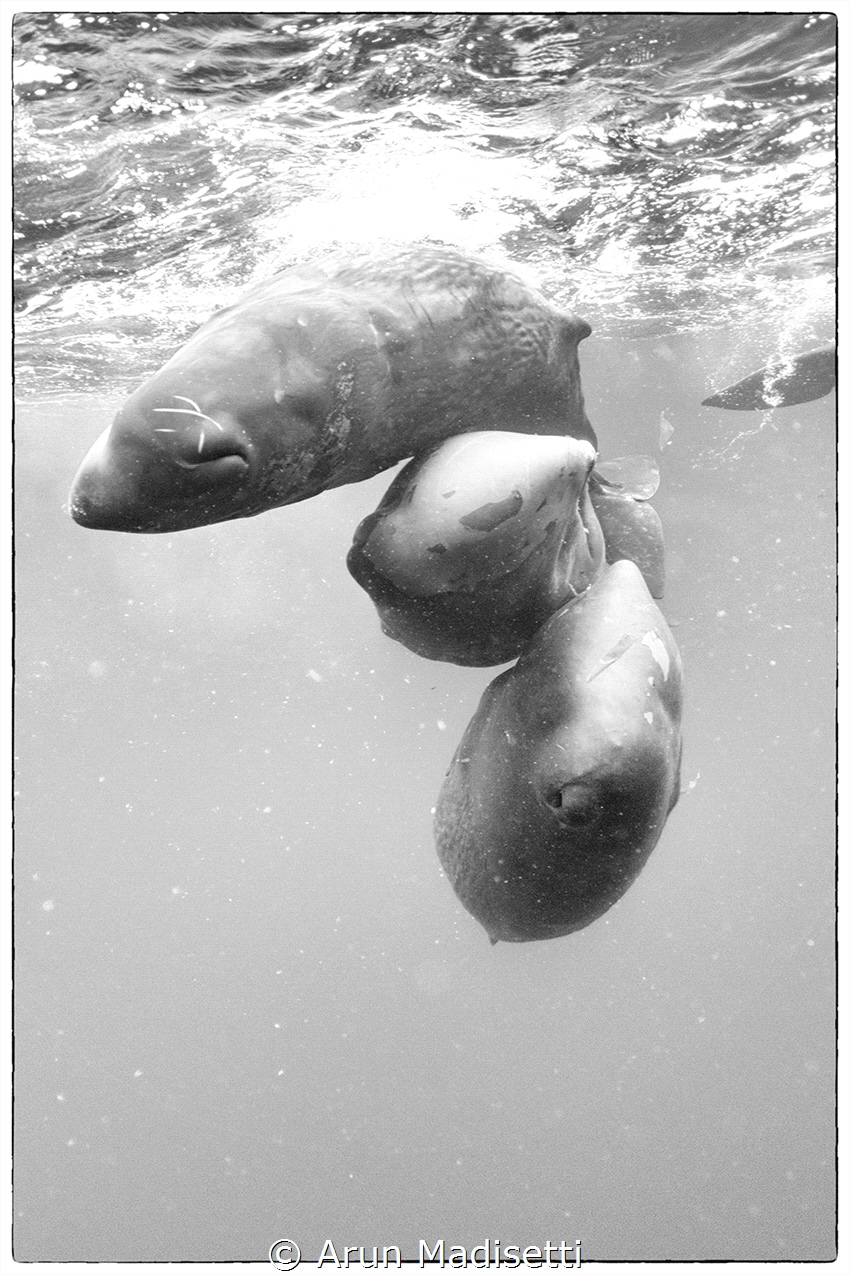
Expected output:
(247, 1002)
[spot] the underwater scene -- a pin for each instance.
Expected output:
(425, 569)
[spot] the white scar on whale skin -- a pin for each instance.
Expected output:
(186, 411)
(658, 651)
(625, 643)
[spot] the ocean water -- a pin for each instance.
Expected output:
(248, 1004)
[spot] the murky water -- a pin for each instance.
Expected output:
(248, 1003)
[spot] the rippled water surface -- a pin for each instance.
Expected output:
(248, 1003)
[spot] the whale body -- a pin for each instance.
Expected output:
(327, 374)
(632, 530)
(477, 543)
(566, 774)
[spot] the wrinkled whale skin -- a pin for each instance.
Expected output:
(477, 543)
(565, 776)
(327, 374)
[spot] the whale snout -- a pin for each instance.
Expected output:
(141, 476)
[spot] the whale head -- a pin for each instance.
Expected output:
(231, 426)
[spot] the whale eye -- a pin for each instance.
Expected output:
(577, 805)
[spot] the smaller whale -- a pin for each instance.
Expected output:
(477, 543)
(566, 774)
(632, 531)
(326, 374)
(800, 378)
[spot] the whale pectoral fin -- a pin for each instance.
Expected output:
(632, 530)
(635, 476)
(783, 383)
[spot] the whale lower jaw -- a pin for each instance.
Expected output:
(108, 493)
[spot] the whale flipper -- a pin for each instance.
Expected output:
(635, 476)
(783, 383)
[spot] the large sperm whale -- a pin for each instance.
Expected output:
(327, 374)
(566, 774)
